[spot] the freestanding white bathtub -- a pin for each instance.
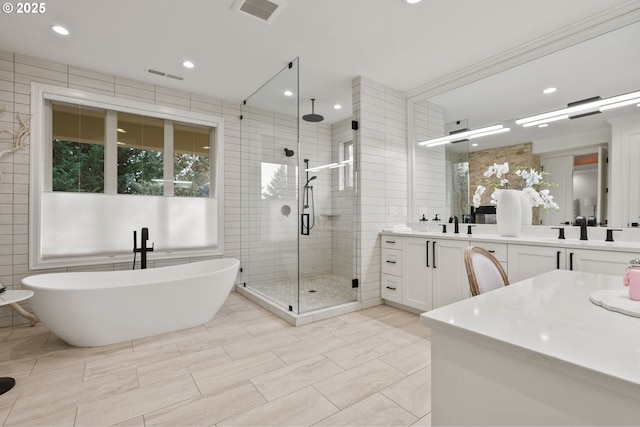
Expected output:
(99, 308)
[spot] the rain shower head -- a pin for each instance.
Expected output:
(313, 117)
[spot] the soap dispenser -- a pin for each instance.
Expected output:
(423, 223)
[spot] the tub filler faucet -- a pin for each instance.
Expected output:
(143, 249)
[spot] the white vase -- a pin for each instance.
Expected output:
(509, 213)
(526, 209)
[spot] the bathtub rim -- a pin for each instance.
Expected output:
(35, 281)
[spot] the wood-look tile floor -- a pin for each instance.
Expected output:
(244, 367)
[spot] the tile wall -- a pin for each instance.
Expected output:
(16, 74)
(382, 144)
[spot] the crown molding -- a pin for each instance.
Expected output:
(623, 14)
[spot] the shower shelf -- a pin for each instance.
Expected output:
(328, 215)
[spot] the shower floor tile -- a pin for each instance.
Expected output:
(315, 292)
(244, 367)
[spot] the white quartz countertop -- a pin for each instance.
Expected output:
(572, 243)
(550, 320)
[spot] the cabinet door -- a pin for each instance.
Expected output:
(603, 262)
(416, 273)
(450, 282)
(528, 261)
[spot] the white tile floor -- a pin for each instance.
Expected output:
(316, 292)
(244, 367)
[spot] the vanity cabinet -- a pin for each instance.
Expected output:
(428, 272)
(526, 261)
(593, 261)
(433, 272)
(418, 272)
(450, 282)
(391, 278)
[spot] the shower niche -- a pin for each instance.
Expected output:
(297, 200)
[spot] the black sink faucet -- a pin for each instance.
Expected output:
(583, 230)
(454, 219)
(143, 249)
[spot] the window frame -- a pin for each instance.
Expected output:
(42, 95)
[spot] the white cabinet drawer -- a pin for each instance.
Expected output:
(498, 250)
(392, 261)
(391, 242)
(391, 288)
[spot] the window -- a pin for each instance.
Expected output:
(345, 157)
(191, 160)
(103, 167)
(78, 148)
(140, 154)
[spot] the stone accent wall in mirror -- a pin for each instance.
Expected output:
(516, 155)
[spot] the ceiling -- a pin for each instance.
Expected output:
(399, 45)
(603, 66)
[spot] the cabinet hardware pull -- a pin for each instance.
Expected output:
(434, 254)
(390, 241)
(389, 287)
(391, 262)
(558, 260)
(491, 251)
(427, 245)
(571, 261)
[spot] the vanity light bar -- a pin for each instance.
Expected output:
(619, 104)
(492, 132)
(545, 121)
(566, 112)
(461, 135)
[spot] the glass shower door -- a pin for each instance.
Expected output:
(269, 199)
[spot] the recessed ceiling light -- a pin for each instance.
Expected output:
(60, 30)
(412, 1)
(549, 90)
(544, 125)
(188, 64)
(475, 144)
(337, 106)
(288, 93)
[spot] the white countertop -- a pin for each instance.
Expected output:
(573, 243)
(549, 320)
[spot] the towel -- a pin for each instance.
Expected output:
(398, 228)
(618, 301)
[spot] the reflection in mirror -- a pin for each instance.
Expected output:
(603, 66)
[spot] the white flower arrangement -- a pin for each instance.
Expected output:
(527, 179)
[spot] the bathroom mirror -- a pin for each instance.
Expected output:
(603, 66)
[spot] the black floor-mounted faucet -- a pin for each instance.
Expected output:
(143, 249)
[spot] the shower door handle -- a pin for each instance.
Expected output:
(304, 224)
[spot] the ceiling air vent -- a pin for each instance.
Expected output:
(264, 10)
(163, 74)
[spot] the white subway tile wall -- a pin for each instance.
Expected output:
(16, 74)
(381, 147)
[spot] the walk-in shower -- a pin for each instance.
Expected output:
(297, 201)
